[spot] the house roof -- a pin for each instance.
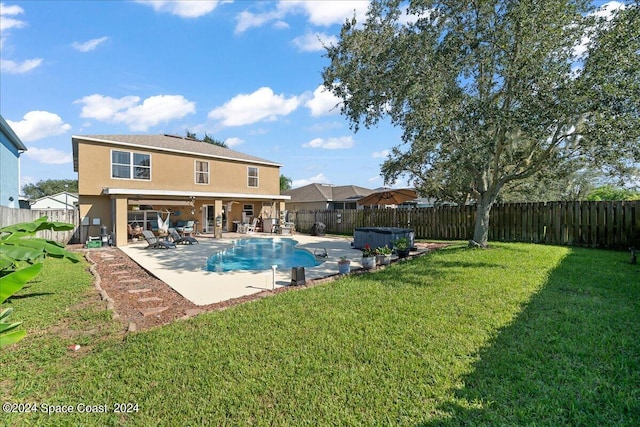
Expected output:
(327, 193)
(11, 135)
(59, 196)
(169, 143)
(63, 198)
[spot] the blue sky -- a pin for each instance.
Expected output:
(245, 72)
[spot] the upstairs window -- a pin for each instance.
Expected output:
(128, 165)
(202, 172)
(252, 177)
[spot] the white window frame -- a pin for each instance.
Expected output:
(206, 173)
(131, 165)
(252, 177)
(248, 209)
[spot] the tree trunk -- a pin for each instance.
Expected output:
(481, 230)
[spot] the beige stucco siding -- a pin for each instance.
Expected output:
(172, 171)
(94, 208)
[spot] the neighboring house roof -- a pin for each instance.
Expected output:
(62, 200)
(11, 136)
(327, 193)
(169, 143)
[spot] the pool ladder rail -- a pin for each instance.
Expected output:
(320, 253)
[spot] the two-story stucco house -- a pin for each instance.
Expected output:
(10, 149)
(126, 179)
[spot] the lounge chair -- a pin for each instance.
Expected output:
(183, 240)
(156, 243)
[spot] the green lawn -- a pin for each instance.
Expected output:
(514, 335)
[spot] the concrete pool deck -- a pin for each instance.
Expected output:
(184, 268)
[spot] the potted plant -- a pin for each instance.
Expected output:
(368, 257)
(383, 255)
(402, 247)
(344, 265)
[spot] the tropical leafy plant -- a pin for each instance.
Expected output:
(401, 244)
(344, 259)
(21, 256)
(383, 250)
(367, 251)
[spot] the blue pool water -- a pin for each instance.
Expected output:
(261, 254)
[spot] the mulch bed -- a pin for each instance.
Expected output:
(141, 301)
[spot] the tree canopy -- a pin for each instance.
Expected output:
(49, 187)
(207, 139)
(285, 183)
(610, 192)
(489, 93)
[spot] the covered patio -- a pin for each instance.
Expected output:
(210, 213)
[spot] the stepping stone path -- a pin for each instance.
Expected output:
(126, 279)
(150, 299)
(137, 291)
(151, 311)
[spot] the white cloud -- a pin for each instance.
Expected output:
(12, 67)
(607, 11)
(260, 105)
(233, 142)
(246, 20)
(89, 45)
(10, 10)
(323, 103)
(49, 156)
(326, 12)
(102, 107)
(280, 25)
(8, 22)
(184, 9)
(340, 143)
(139, 117)
(319, 13)
(380, 154)
(36, 125)
(314, 42)
(319, 179)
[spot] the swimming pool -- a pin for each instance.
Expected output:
(256, 254)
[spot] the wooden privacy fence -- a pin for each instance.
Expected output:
(613, 225)
(10, 216)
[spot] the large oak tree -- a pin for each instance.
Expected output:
(491, 92)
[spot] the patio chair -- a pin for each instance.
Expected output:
(252, 228)
(134, 230)
(183, 240)
(156, 243)
(185, 227)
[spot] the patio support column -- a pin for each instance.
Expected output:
(120, 221)
(217, 208)
(281, 209)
